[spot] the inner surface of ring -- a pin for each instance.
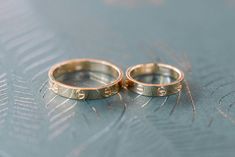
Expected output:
(85, 74)
(154, 74)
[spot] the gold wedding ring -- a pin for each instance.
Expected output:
(80, 93)
(148, 89)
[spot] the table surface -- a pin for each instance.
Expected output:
(196, 36)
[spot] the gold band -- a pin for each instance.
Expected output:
(147, 89)
(81, 93)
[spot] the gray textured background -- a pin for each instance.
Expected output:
(196, 36)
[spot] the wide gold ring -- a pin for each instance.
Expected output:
(148, 89)
(81, 93)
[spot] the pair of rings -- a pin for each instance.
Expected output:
(112, 88)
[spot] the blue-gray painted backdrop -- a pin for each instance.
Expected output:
(196, 36)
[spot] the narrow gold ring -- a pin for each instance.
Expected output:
(161, 89)
(80, 93)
